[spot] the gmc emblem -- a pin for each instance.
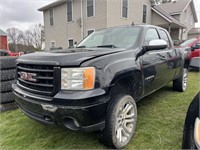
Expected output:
(27, 76)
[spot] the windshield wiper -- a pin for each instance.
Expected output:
(110, 46)
(81, 46)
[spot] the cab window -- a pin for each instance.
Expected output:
(164, 36)
(151, 34)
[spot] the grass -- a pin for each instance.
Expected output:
(161, 118)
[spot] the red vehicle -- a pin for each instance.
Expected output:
(194, 44)
(4, 45)
(12, 53)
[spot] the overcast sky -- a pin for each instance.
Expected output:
(23, 13)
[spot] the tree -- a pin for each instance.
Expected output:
(27, 38)
(37, 35)
(33, 37)
(15, 36)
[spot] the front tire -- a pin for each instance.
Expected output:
(120, 122)
(180, 84)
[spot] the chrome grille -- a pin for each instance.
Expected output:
(41, 83)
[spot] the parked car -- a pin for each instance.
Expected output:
(191, 133)
(96, 85)
(194, 44)
(11, 53)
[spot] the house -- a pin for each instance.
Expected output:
(69, 21)
(194, 32)
(178, 16)
(3, 40)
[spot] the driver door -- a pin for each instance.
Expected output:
(153, 64)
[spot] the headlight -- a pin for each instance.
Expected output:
(77, 78)
(197, 133)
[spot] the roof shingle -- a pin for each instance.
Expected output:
(175, 7)
(165, 14)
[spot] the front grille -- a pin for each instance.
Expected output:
(42, 79)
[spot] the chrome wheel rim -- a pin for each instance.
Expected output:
(125, 123)
(185, 74)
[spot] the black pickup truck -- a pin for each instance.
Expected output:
(96, 85)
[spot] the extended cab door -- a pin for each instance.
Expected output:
(154, 64)
(173, 60)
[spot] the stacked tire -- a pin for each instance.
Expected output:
(7, 77)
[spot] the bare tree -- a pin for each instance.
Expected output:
(15, 36)
(27, 38)
(34, 36)
(37, 35)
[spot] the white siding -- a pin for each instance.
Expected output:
(134, 12)
(74, 28)
(58, 32)
(99, 20)
(186, 15)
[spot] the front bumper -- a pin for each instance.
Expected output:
(80, 110)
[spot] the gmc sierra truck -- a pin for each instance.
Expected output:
(95, 86)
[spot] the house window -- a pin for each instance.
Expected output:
(69, 10)
(144, 16)
(90, 8)
(53, 44)
(71, 43)
(90, 31)
(125, 8)
(51, 14)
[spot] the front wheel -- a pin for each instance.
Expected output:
(120, 122)
(180, 84)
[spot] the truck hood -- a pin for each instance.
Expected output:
(69, 57)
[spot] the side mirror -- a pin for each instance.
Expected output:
(156, 45)
(153, 45)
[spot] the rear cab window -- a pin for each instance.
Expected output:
(164, 36)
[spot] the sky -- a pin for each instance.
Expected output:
(23, 13)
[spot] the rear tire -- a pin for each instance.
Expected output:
(180, 84)
(120, 122)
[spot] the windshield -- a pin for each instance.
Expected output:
(124, 37)
(186, 43)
